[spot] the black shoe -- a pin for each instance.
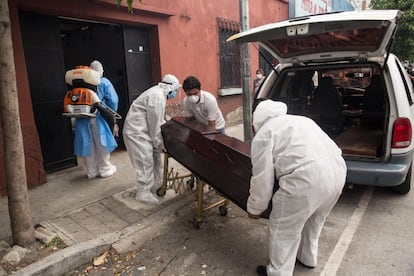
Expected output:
(261, 270)
(304, 264)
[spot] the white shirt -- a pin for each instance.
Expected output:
(206, 109)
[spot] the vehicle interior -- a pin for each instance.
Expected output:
(349, 103)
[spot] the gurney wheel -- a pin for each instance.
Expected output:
(161, 192)
(190, 183)
(223, 211)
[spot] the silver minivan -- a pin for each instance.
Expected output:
(337, 69)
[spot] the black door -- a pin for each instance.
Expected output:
(138, 64)
(85, 41)
(54, 45)
(137, 60)
(45, 70)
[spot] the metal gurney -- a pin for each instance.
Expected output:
(220, 160)
(190, 184)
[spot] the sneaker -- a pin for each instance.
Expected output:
(91, 175)
(109, 172)
(147, 198)
(261, 270)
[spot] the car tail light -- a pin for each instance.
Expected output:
(401, 134)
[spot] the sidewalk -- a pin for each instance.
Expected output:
(90, 216)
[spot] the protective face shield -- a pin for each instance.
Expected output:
(171, 95)
(170, 84)
(97, 66)
(194, 98)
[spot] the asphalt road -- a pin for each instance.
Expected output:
(369, 232)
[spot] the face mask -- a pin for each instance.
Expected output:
(171, 95)
(194, 98)
(259, 76)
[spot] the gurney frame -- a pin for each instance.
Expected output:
(196, 186)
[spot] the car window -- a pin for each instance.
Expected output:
(359, 77)
(297, 87)
(407, 82)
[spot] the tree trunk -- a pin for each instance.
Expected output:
(15, 171)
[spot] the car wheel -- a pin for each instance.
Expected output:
(404, 187)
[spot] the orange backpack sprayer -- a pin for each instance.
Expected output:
(82, 100)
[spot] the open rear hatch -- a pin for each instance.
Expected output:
(344, 35)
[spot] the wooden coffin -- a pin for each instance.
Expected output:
(221, 161)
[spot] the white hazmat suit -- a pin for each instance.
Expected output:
(311, 174)
(143, 139)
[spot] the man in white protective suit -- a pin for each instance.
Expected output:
(310, 171)
(143, 139)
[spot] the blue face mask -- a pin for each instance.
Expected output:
(171, 95)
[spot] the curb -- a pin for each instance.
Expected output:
(70, 257)
(127, 239)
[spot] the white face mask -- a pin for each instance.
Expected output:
(194, 98)
(259, 76)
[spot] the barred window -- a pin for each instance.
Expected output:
(229, 54)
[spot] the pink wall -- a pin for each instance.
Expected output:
(33, 156)
(189, 43)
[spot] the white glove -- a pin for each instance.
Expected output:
(116, 130)
(161, 148)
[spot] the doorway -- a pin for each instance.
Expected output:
(53, 45)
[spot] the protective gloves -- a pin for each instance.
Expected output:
(115, 132)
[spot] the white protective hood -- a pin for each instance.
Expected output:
(266, 110)
(169, 83)
(97, 66)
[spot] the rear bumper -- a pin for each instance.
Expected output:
(390, 173)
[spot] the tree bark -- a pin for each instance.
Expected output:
(15, 170)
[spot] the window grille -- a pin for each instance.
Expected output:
(229, 54)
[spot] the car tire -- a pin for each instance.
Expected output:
(404, 187)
